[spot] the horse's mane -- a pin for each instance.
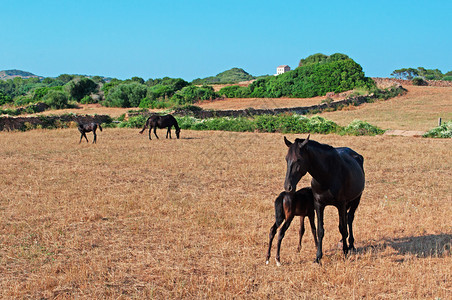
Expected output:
(316, 144)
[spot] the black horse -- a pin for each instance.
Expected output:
(166, 121)
(287, 206)
(84, 128)
(337, 179)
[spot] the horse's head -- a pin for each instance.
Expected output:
(296, 165)
(177, 132)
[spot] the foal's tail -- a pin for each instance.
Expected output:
(279, 210)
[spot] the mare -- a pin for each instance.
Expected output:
(287, 206)
(88, 127)
(156, 121)
(337, 179)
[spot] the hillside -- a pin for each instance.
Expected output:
(10, 74)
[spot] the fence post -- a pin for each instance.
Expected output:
(439, 121)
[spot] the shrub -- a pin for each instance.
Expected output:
(443, 131)
(80, 87)
(126, 95)
(56, 99)
(134, 122)
(418, 81)
(358, 127)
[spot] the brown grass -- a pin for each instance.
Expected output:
(189, 218)
(419, 109)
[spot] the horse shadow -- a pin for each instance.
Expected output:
(432, 245)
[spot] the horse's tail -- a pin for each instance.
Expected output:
(279, 210)
(145, 126)
(100, 127)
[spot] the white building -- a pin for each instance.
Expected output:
(282, 69)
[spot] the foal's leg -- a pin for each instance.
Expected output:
(95, 136)
(320, 230)
(301, 232)
(150, 130)
(312, 222)
(155, 132)
(343, 226)
(281, 234)
(350, 218)
(279, 219)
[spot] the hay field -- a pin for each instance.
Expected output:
(130, 218)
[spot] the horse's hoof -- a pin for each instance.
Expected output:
(278, 263)
(266, 262)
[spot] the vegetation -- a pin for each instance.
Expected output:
(442, 131)
(317, 75)
(284, 123)
(233, 75)
(423, 73)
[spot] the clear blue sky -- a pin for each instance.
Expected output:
(195, 39)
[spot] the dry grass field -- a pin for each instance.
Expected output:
(419, 109)
(130, 218)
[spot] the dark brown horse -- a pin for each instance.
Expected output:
(84, 128)
(287, 206)
(337, 179)
(166, 121)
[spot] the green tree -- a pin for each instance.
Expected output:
(65, 78)
(80, 87)
(126, 95)
(56, 99)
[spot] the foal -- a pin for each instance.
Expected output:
(84, 128)
(287, 206)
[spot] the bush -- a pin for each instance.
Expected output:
(419, 81)
(358, 127)
(56, 99)
(313, 79)
(443, 131)
(80, 87)
(134, 122)
(126, 95)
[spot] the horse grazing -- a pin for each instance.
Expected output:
(337, 179)
(84, 128)
(287, 206)
(156, 121)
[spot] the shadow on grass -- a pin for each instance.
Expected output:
(423, 246)
(433, 245)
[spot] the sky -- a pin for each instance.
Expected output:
(192, 39)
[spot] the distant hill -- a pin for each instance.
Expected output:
(233, 75)
(10, 74)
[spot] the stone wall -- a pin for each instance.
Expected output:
(21, 123)
(302, 110)
(387, 82)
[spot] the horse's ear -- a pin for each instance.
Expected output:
(305, 142)
(288, 143)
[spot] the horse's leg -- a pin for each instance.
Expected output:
(281, 234)
(301, 232)
(270, 240)
(312, 222)
(81, 137)
(155, 132)
(168, 132)
(320, 230)
(150, 130)
(350, 218)
(95, 136)
(343, 226)
(84, 134)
